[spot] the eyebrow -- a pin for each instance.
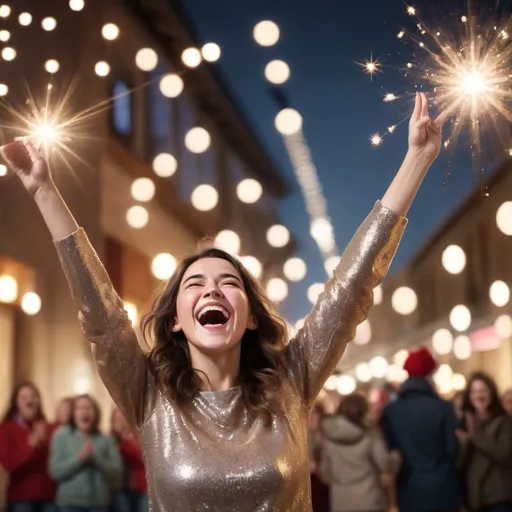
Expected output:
(222, 276)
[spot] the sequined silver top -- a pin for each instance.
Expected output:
(213, 456)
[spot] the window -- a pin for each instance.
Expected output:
(160, 116)
(122, 109)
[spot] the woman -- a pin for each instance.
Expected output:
(25, 438)
(221, 403)
(85, 464)
(132, 496)
(63, 412)
(354, 459)
(486, 440)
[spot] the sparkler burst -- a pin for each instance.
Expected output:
(467, 67)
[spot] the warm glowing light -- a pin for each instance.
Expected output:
(376, 139)
(143, 190)
(378, 295)
(25, 19)
(460, 318)
(228, 241)
(277, 72)
(8, 289)
(278, 235)
(204, 197)
(146, 59)
(314, 292)
(462, 347)
(266, 33)
(253, 265)
(52, 66)
(5, 35)
(323, 233)
(454, 259)
(211, 52)
(458, 382)
(400, 357)
(499, 293)
(110, 31)
(191, 57)
(363, 333)
(371, 66)
(389, 97)
(5, 11)
(8, 53)
(4, 90)
(45, 133)
(171, 85)
(295, 269)
(504, 218)
(249, 190)
(131, 310)
(363, 372)
(503, 326)
(330, 264)
(331, 383)
(49, 23)
(378, 367)
(404, 300)
(137, 217)
(76, 5)
(31, 303)
(3, 170)
(197, 140)
(102, 68)
(411, 10)
(277, 289)
(164, 165)
(163, 266)
(299, 324)
(346, 385)
(288, 121)
(442, 342)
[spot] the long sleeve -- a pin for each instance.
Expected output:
(379, 454)
(105, 323)
(452, 443)
(63, 462)
(346, 301)
(13, 456)
(109, 462)
(498, 448)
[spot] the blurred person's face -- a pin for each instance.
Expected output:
(507, 402)
(480, 396)
(28, 403)
(63, 412)
(84, 414)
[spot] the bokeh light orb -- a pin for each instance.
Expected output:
(249, 190)
(288, 121)
(163, 266)
(228, 241)
(404, 300)
(110, 31)
(278, 236)
(363, 333)
(345, 385)
(4, 90)
(460, 318)
(191, 57)
(277, 289)
(277, 72)
(503, 326)
(31, 303)
(378, 295)
(137, 217)
(330, 264)
(462, 347)
(295, 269)
(197, 140)
(363, 372)
(8, 53)
(102, 68)
(171, 85)
(143, 190)
(314, 292)
(211, 52)
(164, 165)
(499, 293)
(146, 59)
(504, 218)
(442, 341)
(253, 265)
(52, 66)
(378, 367)
(49, 23)
(454, 259)
(266, 33)
(8, 289)
(25, 19)
(76, 5)
(204, 197)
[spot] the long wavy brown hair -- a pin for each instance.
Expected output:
(262, 360)
(12, 408)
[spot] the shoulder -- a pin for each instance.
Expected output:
(9, 427)
(63, 433)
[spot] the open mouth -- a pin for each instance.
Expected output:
(213, 316)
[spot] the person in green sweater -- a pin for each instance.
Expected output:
(85, 464)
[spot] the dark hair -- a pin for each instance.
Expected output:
(495, 407)
(262, 359)
(12, 409)
(354, 408)
(95, 427)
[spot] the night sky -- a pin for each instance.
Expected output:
(342, 107)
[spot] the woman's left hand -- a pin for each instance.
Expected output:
(425, 135)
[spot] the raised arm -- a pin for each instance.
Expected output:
(348, 295)
(105, 323)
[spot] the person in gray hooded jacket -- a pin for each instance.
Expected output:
(355, 459)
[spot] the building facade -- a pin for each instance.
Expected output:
(454, 297)
(97, 67)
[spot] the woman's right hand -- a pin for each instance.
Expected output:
(28, 163)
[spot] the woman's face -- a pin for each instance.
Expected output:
(28, 403)
(479, 395)
(63, 412)
(507, 402)
(212, 308)
(84, 414)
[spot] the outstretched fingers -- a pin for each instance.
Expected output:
(416, 114)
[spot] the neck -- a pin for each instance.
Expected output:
(217, 372)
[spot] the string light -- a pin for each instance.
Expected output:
(204, 198)
(146, 59)
(5, 11)
(25, 19)
(211, 52)
(164, 165)
(266, 33)
(171, 85)
(110, 31)
(52, 66)
(49, 23)
(5, 35)
(191, 57)
(8, 53)
(76, 5)
(102, 68)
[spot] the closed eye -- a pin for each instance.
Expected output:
(232, 283)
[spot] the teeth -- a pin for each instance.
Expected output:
(213, 308)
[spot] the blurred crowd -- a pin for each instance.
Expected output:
(68, 463)
(410, 450)
(403, 449)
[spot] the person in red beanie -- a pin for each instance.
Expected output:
(24, 452)
(421, 426)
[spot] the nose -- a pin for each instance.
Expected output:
(213, 291)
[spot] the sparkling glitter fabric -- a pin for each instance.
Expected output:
(212, 456)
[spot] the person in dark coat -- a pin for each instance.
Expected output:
(422, 427)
